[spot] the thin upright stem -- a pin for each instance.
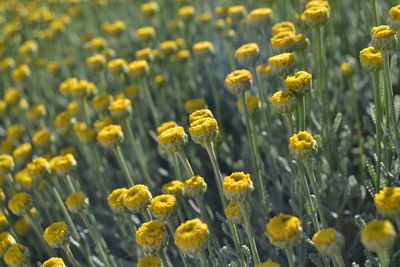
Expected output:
(202, 258)
(39, 231)
(290, 256)
(249, 232)
(120, 157)
(302, 113)
(383, 257)
(150, 101)
(182, 156)
(378, 126)
(338, 258)
(70, 256)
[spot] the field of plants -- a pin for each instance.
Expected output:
(180, 133)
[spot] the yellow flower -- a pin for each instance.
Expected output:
(42, 138)
(302, 145)
(38, 168)
(20, 73)
(6, 164)
(282, 64)
(237, 186)
(204, 130)
(114, 29)
(383, 38)
(139, 68)
(163, 206)
(221, 11)
(195, 186)
(263, 70)
(259, 17)
(76, 202)
(82, 89)
(236, 13)
(97, 43)
(116, 200)
(247, 54)
(149, 261)
(168, 47)
(85, 134)
(146, 34)
(203, 49)
(28, 47)
(121, 108)
(205, 17)
(131, 91)
(394, 18)
(57, 235)
(284, 42)
(283, 230)
(137, 198)
(20, 203)
(195, 104)
(283, 101)
(111, 136)
(65, 87)
(52, 66)
(165, 126)
(53, 262)
(96, 62)
(7, 145)
(12, 96)
(347, 69)
(7, 63)
(252, 102)
(268, 264)
(21, 227)
(299, 83)
(63, 165)
(17, 255)
(176, 25)
(284, 26)
(200, 114)
(23, 179)
(36, 112)
(149, 9)
(191, 236)
(173, 139)
(316, 16)
(117, 66)
(387, 201)
(371, 59)
(67, 150)
(328, 241)
(151, 236)
(183, 55)
(101, 102)
(239, 81)
(6, 240)
(174, 187)
(233, 212)
(186, 13)
(378, 235)
(103, 122)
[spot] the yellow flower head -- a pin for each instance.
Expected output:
(7, 63)
(20, 73)
(6, 240)
(378, 235)
(121, 108)
(174, 188)
(200, 114)
(195, 186)
(233, 212)
(84, 133)
(151, 235)
(114, 29)
(149, 9)
(383, 38)
(20, 203)
(17, 255)
(36, 112)
(204, 130)
(168, 47)
(96, 62)
(299, 83)
(282, 64)
(237, 186)
(252, 102)
(203, 49)
(183, 55)
(221, 11)
(137, 198)
(186, 13)
(139, 68)
(283, 230)
(316, 16)
(371, 59)
(302, 145)
(22, 178)
(236, 13)
(117, 66)
(3, 220)
(76, 202)
(165, 126)
(263, 70)
(149, 261)
(6, 164)
(131, 91)
(116, 200)
(62, 165)
(82, 89)
(394, 18)
(53, 262)
(173, 139)
(56, 235)
(283, 101)
(21, 227)
(38, 168)
(111, 136)
(387, 201)
(284, 41)
(66, 86)
(97, 43)
(284, 26)
(12, 96)
(247, 54)
(191, 236)
(146, 34)
(347, 69)
(205, 17)
(195, 104)
(7, 145)
(239, 81)
(103, 122)
(268, 264)
(259, 17)
(63, 122)
(101, 102)
(328, 241)
(163, 206)
(42, 138)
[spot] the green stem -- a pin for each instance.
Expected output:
(383, 257)
(249, 232)
(70, 256)
(120, 157)
(378, 126)
(150, 102)
(307, 193)
(182, 156)
(376, 16)
(302, 113)
(214, 90)
(177, 170)
(338, 258)
(290, 256)
(39, 231)
(202, 258)
(289, 121)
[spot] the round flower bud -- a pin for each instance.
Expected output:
(36, 112)
(239, 81)
(146, 34)
(100, 103)
(137, 198)
(172, 139)
(283, 102)
(247, 54)
(42, 138)
(387, 202)
(139, 68)
(54, 262)
(204, 130)
(149, 9)
(144, 54)
(347, 69)
(163, 206)
(205, 17)
(259, 17)
(394, 18)
(192, 236)
(284, 42)
(284, 26)
(152, 236)
(121, 108)
(203, 49)
(116, 200)
(195, 186)
(282, 64)
(96, 62)
(149, 261)
(111, 136)
(183, 55)
(20, 203)
(63, 122)
(302, 145)
(165, 126)
(186, 13)
(103, 122)
(299, 83)
(38, 168)
(378, 235)
(283, 230)
(57, 235)
(316, 16)
(200, 114)
(328, 241)
(169, 47)
(264, 71)
(63, 165)
(302, 42)
(77, 202)
(237, 186)
(195, 104)
(117, 66)
(131, 91)
(17, 256)
(252, 103)
(233, 212)
(84, 133)
(21, 227)
(383, 38)
(22, 180)
(174, 187)
(6, 241)
(237, 13)
(371, 59)
(20, 73)
(6, 164)
(12, 96)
